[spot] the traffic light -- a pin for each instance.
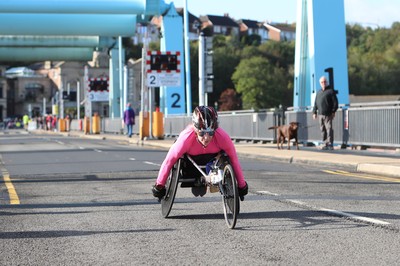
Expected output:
(208, 65)
(98, 85)
(164, 62)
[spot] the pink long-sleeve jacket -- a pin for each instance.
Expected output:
(187, 143)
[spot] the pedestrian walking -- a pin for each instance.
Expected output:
(54, 123)
(129, 119)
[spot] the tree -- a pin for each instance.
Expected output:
(225, 60)
(229, 100)
(261, 84)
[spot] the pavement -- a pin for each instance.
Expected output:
(376, 161)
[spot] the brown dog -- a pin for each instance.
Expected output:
(286, 132)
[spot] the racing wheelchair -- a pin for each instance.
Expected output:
(212, 171)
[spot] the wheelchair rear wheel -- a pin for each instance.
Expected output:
(171, 186)
(230, 196)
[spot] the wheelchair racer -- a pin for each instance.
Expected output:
(203, 136)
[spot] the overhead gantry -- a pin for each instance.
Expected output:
(71, 30)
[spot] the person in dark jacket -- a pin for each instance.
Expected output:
(325, 107)
(129, 118)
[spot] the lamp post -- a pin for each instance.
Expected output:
(187, 60)
(78, 100)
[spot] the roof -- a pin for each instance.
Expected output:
(283, 27)
(249, 23)
(192, 17)
(219, 20)
(19, 72)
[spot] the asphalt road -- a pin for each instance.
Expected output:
(88, 202)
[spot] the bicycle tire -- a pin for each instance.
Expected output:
(171, 187)
(230, 196)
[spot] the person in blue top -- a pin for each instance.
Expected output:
(129, 118)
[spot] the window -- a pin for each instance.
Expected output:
(217, 29)
(33, 90)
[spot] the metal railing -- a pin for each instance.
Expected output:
(370, 124)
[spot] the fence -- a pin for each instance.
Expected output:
(371, 124)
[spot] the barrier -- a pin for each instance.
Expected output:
(365, 124)
(32, 125)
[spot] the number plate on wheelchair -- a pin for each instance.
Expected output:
(216, 177)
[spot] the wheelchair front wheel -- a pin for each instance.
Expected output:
(171, 186)
(230, 196)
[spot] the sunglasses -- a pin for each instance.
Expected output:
(210, 132)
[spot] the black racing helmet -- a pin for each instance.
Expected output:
(205, 118)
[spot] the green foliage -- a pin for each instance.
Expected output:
(261, 84)
(253, 39)
(373, 60)
(131, 50)
(225, 60)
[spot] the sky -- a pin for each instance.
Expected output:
(372, 13)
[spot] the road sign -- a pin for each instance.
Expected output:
(163, 79)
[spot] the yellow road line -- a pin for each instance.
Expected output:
(372, 177)
(12, 194)
(11, 190)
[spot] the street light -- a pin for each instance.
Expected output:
(78, 100)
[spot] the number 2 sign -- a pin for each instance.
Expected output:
(175, 101)
(152, 80)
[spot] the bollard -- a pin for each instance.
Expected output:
(80, 125)
(61, 125)
(67, 123)
(144, 125)
(158, 125)
(86, 125)
(96, 124)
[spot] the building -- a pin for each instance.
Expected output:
(223, 25)
(27, 91)
(3, 93)
(194, 26)
(39, 89)
(250, 27)
(281, 32)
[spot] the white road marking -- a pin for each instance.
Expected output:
(330, 211)
(355, 217)
(151, 163)
(132, 159)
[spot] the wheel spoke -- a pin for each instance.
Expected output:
(230, 196)
(171, 187)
